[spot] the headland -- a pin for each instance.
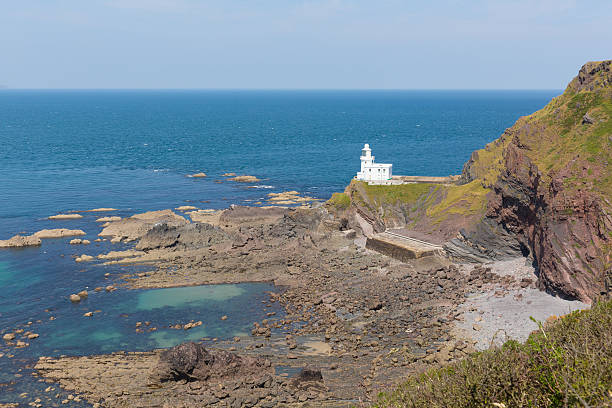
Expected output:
(382, 281)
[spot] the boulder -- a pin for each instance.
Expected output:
(198, 175)
(74, 298)
(9, 336)
(308, 377)
(84, 258)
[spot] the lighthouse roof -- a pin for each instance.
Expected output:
(366, 147)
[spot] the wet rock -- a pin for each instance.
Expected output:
(74, 298)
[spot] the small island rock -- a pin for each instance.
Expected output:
(65, 217)
(19, 241)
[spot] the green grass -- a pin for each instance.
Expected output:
(567, 363)
(340, 201)
(404, 193)
(467, 199)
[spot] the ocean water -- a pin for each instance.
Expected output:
(132, 150)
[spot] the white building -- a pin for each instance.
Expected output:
(371, 171)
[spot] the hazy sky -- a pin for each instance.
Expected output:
(309, 44)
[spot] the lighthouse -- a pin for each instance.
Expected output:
(371, 171)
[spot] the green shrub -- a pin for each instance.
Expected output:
(568, 363)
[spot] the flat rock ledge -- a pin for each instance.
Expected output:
(245, 179)
(58, 233)
(187, 375)
(20, 241)
(65, 217)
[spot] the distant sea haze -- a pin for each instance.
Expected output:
(132, 149)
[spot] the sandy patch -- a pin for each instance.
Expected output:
(488, 319)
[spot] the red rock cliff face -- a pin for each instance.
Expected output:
(567, 231)
(557, 204)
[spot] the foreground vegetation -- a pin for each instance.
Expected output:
(567, 363)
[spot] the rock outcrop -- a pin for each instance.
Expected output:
(192, 362)
(136, 226)
(189, 236)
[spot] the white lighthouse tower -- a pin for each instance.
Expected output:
(366, 157)
(371, 171)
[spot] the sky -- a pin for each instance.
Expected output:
(300, 44)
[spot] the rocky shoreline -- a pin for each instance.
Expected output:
(361, 319)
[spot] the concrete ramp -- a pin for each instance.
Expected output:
(401, 247)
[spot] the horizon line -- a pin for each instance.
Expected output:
(6, 88)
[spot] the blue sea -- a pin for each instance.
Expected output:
(132, 150)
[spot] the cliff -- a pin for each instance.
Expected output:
(542, 189)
